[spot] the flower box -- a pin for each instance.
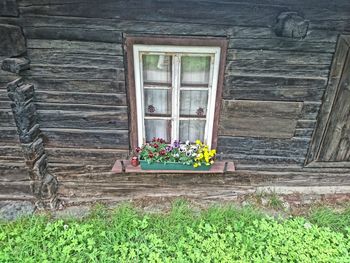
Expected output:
(172, 166)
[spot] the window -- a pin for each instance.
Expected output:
(176, 90)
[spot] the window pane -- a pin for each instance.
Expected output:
(193, 103)
(157, 102)
(195, 70)
(158, 129)
(192, 130)
(156, 68)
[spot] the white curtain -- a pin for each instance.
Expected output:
(158, 129)
(195, 71)
(194, 75)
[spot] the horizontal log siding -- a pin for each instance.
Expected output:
(14, 178)
(77, 67)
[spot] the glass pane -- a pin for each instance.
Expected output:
(192, 130)
(193, 103)
(156, 68)
(157, 102)
(158, 129)
(195, 70)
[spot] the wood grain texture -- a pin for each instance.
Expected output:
(10, 152)
(112, 99)
(95, 183)
(263, 150)
(259, 119)
(84, 119)
(8, 8)
(251, 13)
(269, 87)
(340, 56)
(80, 138)
(6, 118)
(336, 142)
(74, 47)
(85, 156)
(9, 135)
(72, 85)
(78, 63)
(77, 72)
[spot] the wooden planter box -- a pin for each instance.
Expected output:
(172, 166)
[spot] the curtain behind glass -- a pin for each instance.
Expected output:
(157, 81)
(195, 75)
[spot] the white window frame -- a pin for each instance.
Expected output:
(176, 52)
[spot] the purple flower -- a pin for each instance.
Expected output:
(176, 144)
(168, 148)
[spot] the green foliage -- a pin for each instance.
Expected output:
(189, 153)
(326, 217)
(220, 234)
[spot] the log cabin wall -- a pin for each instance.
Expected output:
(272, 92)
(14, 178)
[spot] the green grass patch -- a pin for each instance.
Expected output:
(219, 234)
(326, 217)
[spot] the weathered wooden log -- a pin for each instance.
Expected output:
(15, 65)
(43, 184)
(12, 42)
(259, 119)
(9, 8)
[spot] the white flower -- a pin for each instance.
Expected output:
(307, 225)
(189, 153)
(194, 148)
(65, 227)
(182, 148)
(187, 142)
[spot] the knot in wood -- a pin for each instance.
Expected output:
(291, 25)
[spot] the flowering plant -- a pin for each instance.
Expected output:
(158, 150)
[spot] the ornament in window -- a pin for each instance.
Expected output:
(151, 108)
(200, 111)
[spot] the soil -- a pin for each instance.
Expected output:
(270, 203)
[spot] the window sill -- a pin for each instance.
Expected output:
(219, 167)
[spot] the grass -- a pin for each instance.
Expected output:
(326, 217)
(218, 234)
(271, 198)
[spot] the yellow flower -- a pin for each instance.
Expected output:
(195, 165)
(198, 142)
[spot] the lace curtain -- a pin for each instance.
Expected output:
(158, 97)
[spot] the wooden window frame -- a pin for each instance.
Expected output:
(176, 42)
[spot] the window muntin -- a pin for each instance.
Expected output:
(175, 91)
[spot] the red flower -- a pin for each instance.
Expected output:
(155, 145)
(150, 155)
(138, 149)
(162, 152)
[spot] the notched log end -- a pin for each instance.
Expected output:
(15, 65)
